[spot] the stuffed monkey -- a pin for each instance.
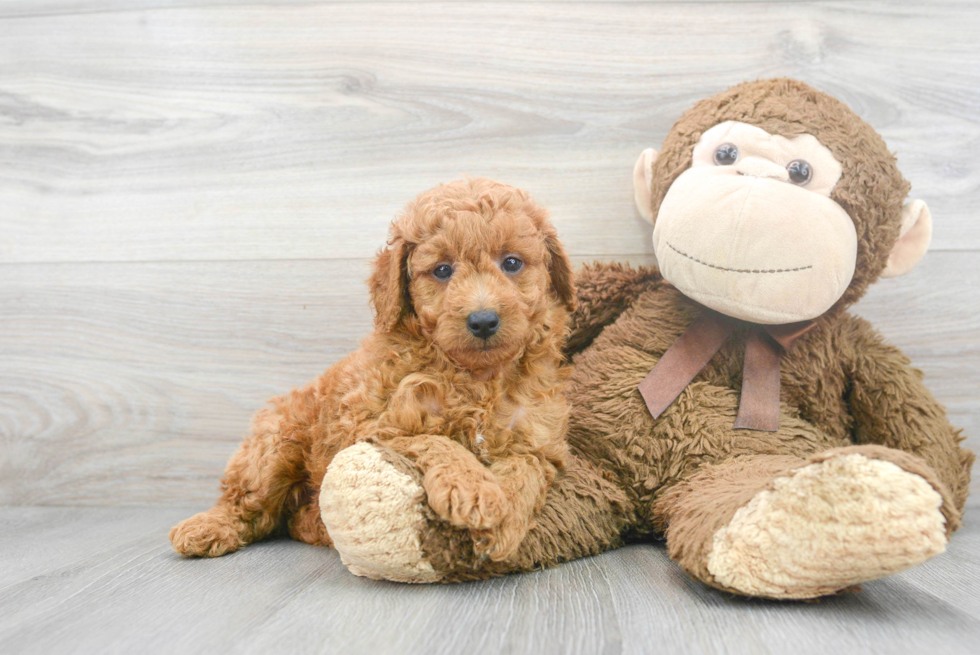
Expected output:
(727, 401)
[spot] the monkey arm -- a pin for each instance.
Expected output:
(604, 292)
(892, 407)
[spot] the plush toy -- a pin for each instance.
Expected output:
(726, 401)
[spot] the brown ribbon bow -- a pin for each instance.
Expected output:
(758, 407)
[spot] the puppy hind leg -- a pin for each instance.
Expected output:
(305, 524)
(258, 480)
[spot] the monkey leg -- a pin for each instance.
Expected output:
(785, 527)
(584, 514)
(374, 507)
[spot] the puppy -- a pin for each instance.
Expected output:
(462, 374)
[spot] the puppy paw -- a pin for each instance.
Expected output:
(467, 499)
(828, 526)
(502, 542)
(209, 534)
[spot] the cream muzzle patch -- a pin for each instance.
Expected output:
(744, 239)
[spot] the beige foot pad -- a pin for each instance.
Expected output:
(373, 514)
(829, 526)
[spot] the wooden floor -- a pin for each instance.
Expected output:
(103, 580)
(190, 192)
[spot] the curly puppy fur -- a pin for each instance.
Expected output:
(482, 419)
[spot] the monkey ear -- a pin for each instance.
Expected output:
(913, 239)
(643, 181)
(389, 285)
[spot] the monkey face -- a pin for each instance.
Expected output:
(750, 229)
(772, 229)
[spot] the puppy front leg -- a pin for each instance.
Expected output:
(524, 480)
(459, 488)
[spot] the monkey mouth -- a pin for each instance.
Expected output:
(736, 270)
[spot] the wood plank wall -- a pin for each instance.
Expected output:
(190, 192)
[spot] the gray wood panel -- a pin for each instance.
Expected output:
(268, 132)
(37, 8)
(190, 191)
(120, 589)
(133, 383)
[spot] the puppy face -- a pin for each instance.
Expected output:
(480, 269)
(477, 286)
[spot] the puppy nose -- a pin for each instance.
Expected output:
(483, 323)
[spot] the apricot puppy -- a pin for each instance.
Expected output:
(462, 374)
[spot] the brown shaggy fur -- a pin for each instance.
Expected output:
(683, 475)
(483, 421)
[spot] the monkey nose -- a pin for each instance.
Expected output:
(483, 323)
(758, 167)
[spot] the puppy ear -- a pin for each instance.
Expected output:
(560, 268)
(389, 285)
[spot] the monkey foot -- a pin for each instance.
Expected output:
(829, 526)
(372, 509)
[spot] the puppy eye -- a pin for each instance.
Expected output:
(443, 272)
(726, 154)
(799, 171)
(511, 264)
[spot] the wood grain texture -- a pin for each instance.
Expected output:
(133, 383)
(119, 589)
(190, 191)
(242, 131)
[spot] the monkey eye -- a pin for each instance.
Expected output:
(799, 171)
(726, 154)
(443, 272)
(511, 264)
